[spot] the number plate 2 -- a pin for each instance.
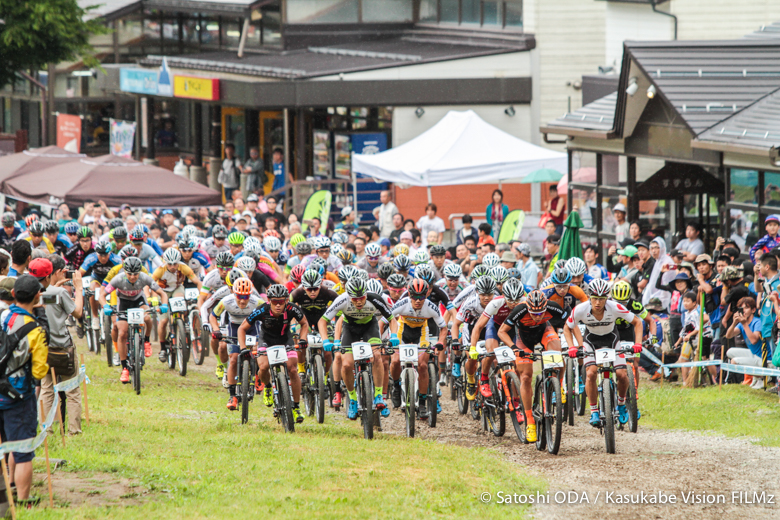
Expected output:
(408, 353)
(277, 355)
(605, 355)
(135, 316)
(362, 350)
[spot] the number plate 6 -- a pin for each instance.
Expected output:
(362, 350)
(504, 355)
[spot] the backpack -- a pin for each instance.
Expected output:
(9, 342)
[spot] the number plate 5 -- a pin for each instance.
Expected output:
(504, 355)
(408, 353)
(605, 355)
(552, 359)
(277, 355)
(362, 350)
(135, 316)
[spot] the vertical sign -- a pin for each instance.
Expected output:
(144, 121)
(122, 135)
(69, 132)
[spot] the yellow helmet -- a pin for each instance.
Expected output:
(401, 249)
(621, 291)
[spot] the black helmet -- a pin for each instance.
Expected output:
(132, 265)
(127, 252)
(303, 248)
(311, 279)
(424, 272)
(36, 228)
(119, 233)
(219, 231)
(9, 218)
(485, 285)
(418, 287)
(396, 281)
(225, 259)
(277, 291)
(437, 250)
(51, 226)
(385, 270)
(356, 287)
(115, 223)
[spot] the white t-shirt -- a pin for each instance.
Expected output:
(425, 225)
(613, 311)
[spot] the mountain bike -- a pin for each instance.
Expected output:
(451, 355)
(605, 361)
(458, 384)
(93, 341)
(547, 406)
(363, 355)
(631, 394)
(476, 406)
(433, 388)
(135, 346)
(409, 357)
(314, 390)
(246, 368)
(178, 335)
(280, 382)
(576, 400)
(196, 336)
(505, 385)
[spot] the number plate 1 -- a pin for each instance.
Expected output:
(552, 359)
(408, 354)
(251, 341)
(191, 294)
(177, 304)
(362, 350)
(504, 355)
(277, 355)
(605, 355)
(135, 316)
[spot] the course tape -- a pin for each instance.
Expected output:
(657, 361)
(28, 445)
(751, 371)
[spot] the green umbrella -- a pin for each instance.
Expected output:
(570, 242)
(543, 175)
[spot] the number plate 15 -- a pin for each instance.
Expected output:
(135, 316)
(408, 353)
(362, 350)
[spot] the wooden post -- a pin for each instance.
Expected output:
(59, 415)
(86, 400)
(8, 491)
(48, 466)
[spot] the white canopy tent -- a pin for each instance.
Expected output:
(460, 149)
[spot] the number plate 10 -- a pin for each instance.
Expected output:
(605, 355)
(277, 355)
(135, 316)
(504, 355)
(362, 350)
(408, 353)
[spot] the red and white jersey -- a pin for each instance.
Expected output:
(497, 309)
(613, 311)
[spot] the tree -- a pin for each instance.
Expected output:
(38, 32)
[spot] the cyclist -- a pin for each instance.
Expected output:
(402, 265)
(125, 253)
(468, 314)
(321, 246)
(275, 319)
(621, 293)
(453, 282)
(118, 238)
(130, 284)
(345, 256)
(60, 241)
(75, 255)
(302, 250)
(383, 273)
(195, 260)
(370, 262)
(232, 310)
(531, 321)
(562, 291)
(314, 300)
(10, 231)
(439, 260)
(236, 244)
(440, 299)
(358, 308)
(216, 243)
(214, 281)
(148, 256)
(599, 317)
(478, 272)
(413, 314)
(98, 265)
(294, 279)
(495, 313)
(171, 277)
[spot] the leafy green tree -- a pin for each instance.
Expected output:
(35, 33)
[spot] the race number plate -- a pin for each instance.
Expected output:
(225, 331)
(97, 293)
(481, 350)
(362, 350)
(251, 341)
(191, 295)
(177, 304)
(314, 339)
(552, 359)
(277, 355)
(408, 353)
(504, 355)
(605, 355)
(135, 316)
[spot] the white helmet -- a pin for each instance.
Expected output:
(453, 271)
(321, 243)
(270, 243)
(373, 250)
(252, 244)
(490, 260)
(335, 249)
(188, 230)
(576, 266)
(421, 257)
(375, 286)
(171, 256)
(246, 264)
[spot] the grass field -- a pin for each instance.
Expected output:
(185, 456)
(735, 411)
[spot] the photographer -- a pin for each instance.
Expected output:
(62, 354)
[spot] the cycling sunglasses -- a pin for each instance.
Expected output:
(418, 298)
(561, 286)
(311, 289)
(242, 296)
(224, 268)
(358, 299)
(537, 314)
(278, 301)
(372, 258)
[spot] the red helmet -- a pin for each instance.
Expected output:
(242, 287)
(297, 273)
(271, 233)
(418, 287)
(29, 219)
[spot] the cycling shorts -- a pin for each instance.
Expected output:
(492, 330)
(232, 331)
(596, 341)
(351, 333)
(528, 342)
(123, 305)
(413, 336)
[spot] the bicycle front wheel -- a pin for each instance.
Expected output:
(367, 417)
(553, 420)
(181, 347)
(460, 388)
(246, 378)
(607, 408)
(499, 412)
(516, 409)
(319, 388)
(410, 400)
(568, 409)
(107, 341)
(138, 354)
(631, 402)
(433, 396)
(285, 400)
(538, 413)
(196, 335)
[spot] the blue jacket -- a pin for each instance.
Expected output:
(489, 214)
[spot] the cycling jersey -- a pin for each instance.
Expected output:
(212, 249)
(275, 327)
(45, 244)
(235, 314)
(212, 282)
(352, 315)
(497, 310)
(6, 240)
(333, 263)
(612, 312)
(75, 255)
(407, 315)
(260, 281)
(292, 262)
(363, 264)
(635, 307)
(452, 294)
(99, 271)
(130, 291)
(149, 258)
(155, 246)
(532, 332)
(198, 263)
(171, 281)
(62, 246)
(574, 296)
(470, 311)
(313, 308)
(216, 297)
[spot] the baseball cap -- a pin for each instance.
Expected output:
(641, 243)
(346, 211)
(40, 268)
(629, 251)
(385, 242)
(703, 258)
(252, 198)
(682, 276)
(26, 287)
(554, 239)
(125, 206)
(772, 218)
(525, 249)
(406, 235)
(676, 252)
(6, 286)
(619, 207)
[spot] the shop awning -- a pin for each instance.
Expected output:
(33, 160)
(677, 179)
(112, 179)
(460, 149)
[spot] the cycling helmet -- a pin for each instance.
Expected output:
(560, 264)
(514, 272)
(219, 231)
(29, 219)
(599, 288)
(103, 248)
(253, 244)
(424, 272)
(396, 281)
(296, 239)
(271, 244)
(375, 286)
(224, 259)
(576, 266)
(243, 287)
(346, 273)
(235, 238)
(356, 287)
(319, 264)
(115, 222)
(340, 237)
(373, 250)
(119, 233)
(132, 265)
(362, 273)
(188, 230)
(453, 271)
(401, 263)
(322, 243)
(499, 274)
(234, 275)
(127, 252)
(438, 250)
(485, 285)
(36, 228)
(9, 219)
(479, 271)
(346, 256)
(302, 248)
(51, 226)
(184, 242)
(401, 249)
(621, 291)
(513, 290)
(136, 235)
(418, 287)
(277, 291)
(144, 228)
(421, 257)
(561, 276)
(72, 228)
(297, 272)
(335, 249)
(84, 232)
(246, 264)
(536, 302)
(311, 279)
(490, 260)
(172, 256)
(385, 270)
(271, 233)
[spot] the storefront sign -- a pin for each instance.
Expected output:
(122, 136)
(206, 89)
(138, 81)
(69, 132)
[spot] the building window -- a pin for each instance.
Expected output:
(482, 13)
